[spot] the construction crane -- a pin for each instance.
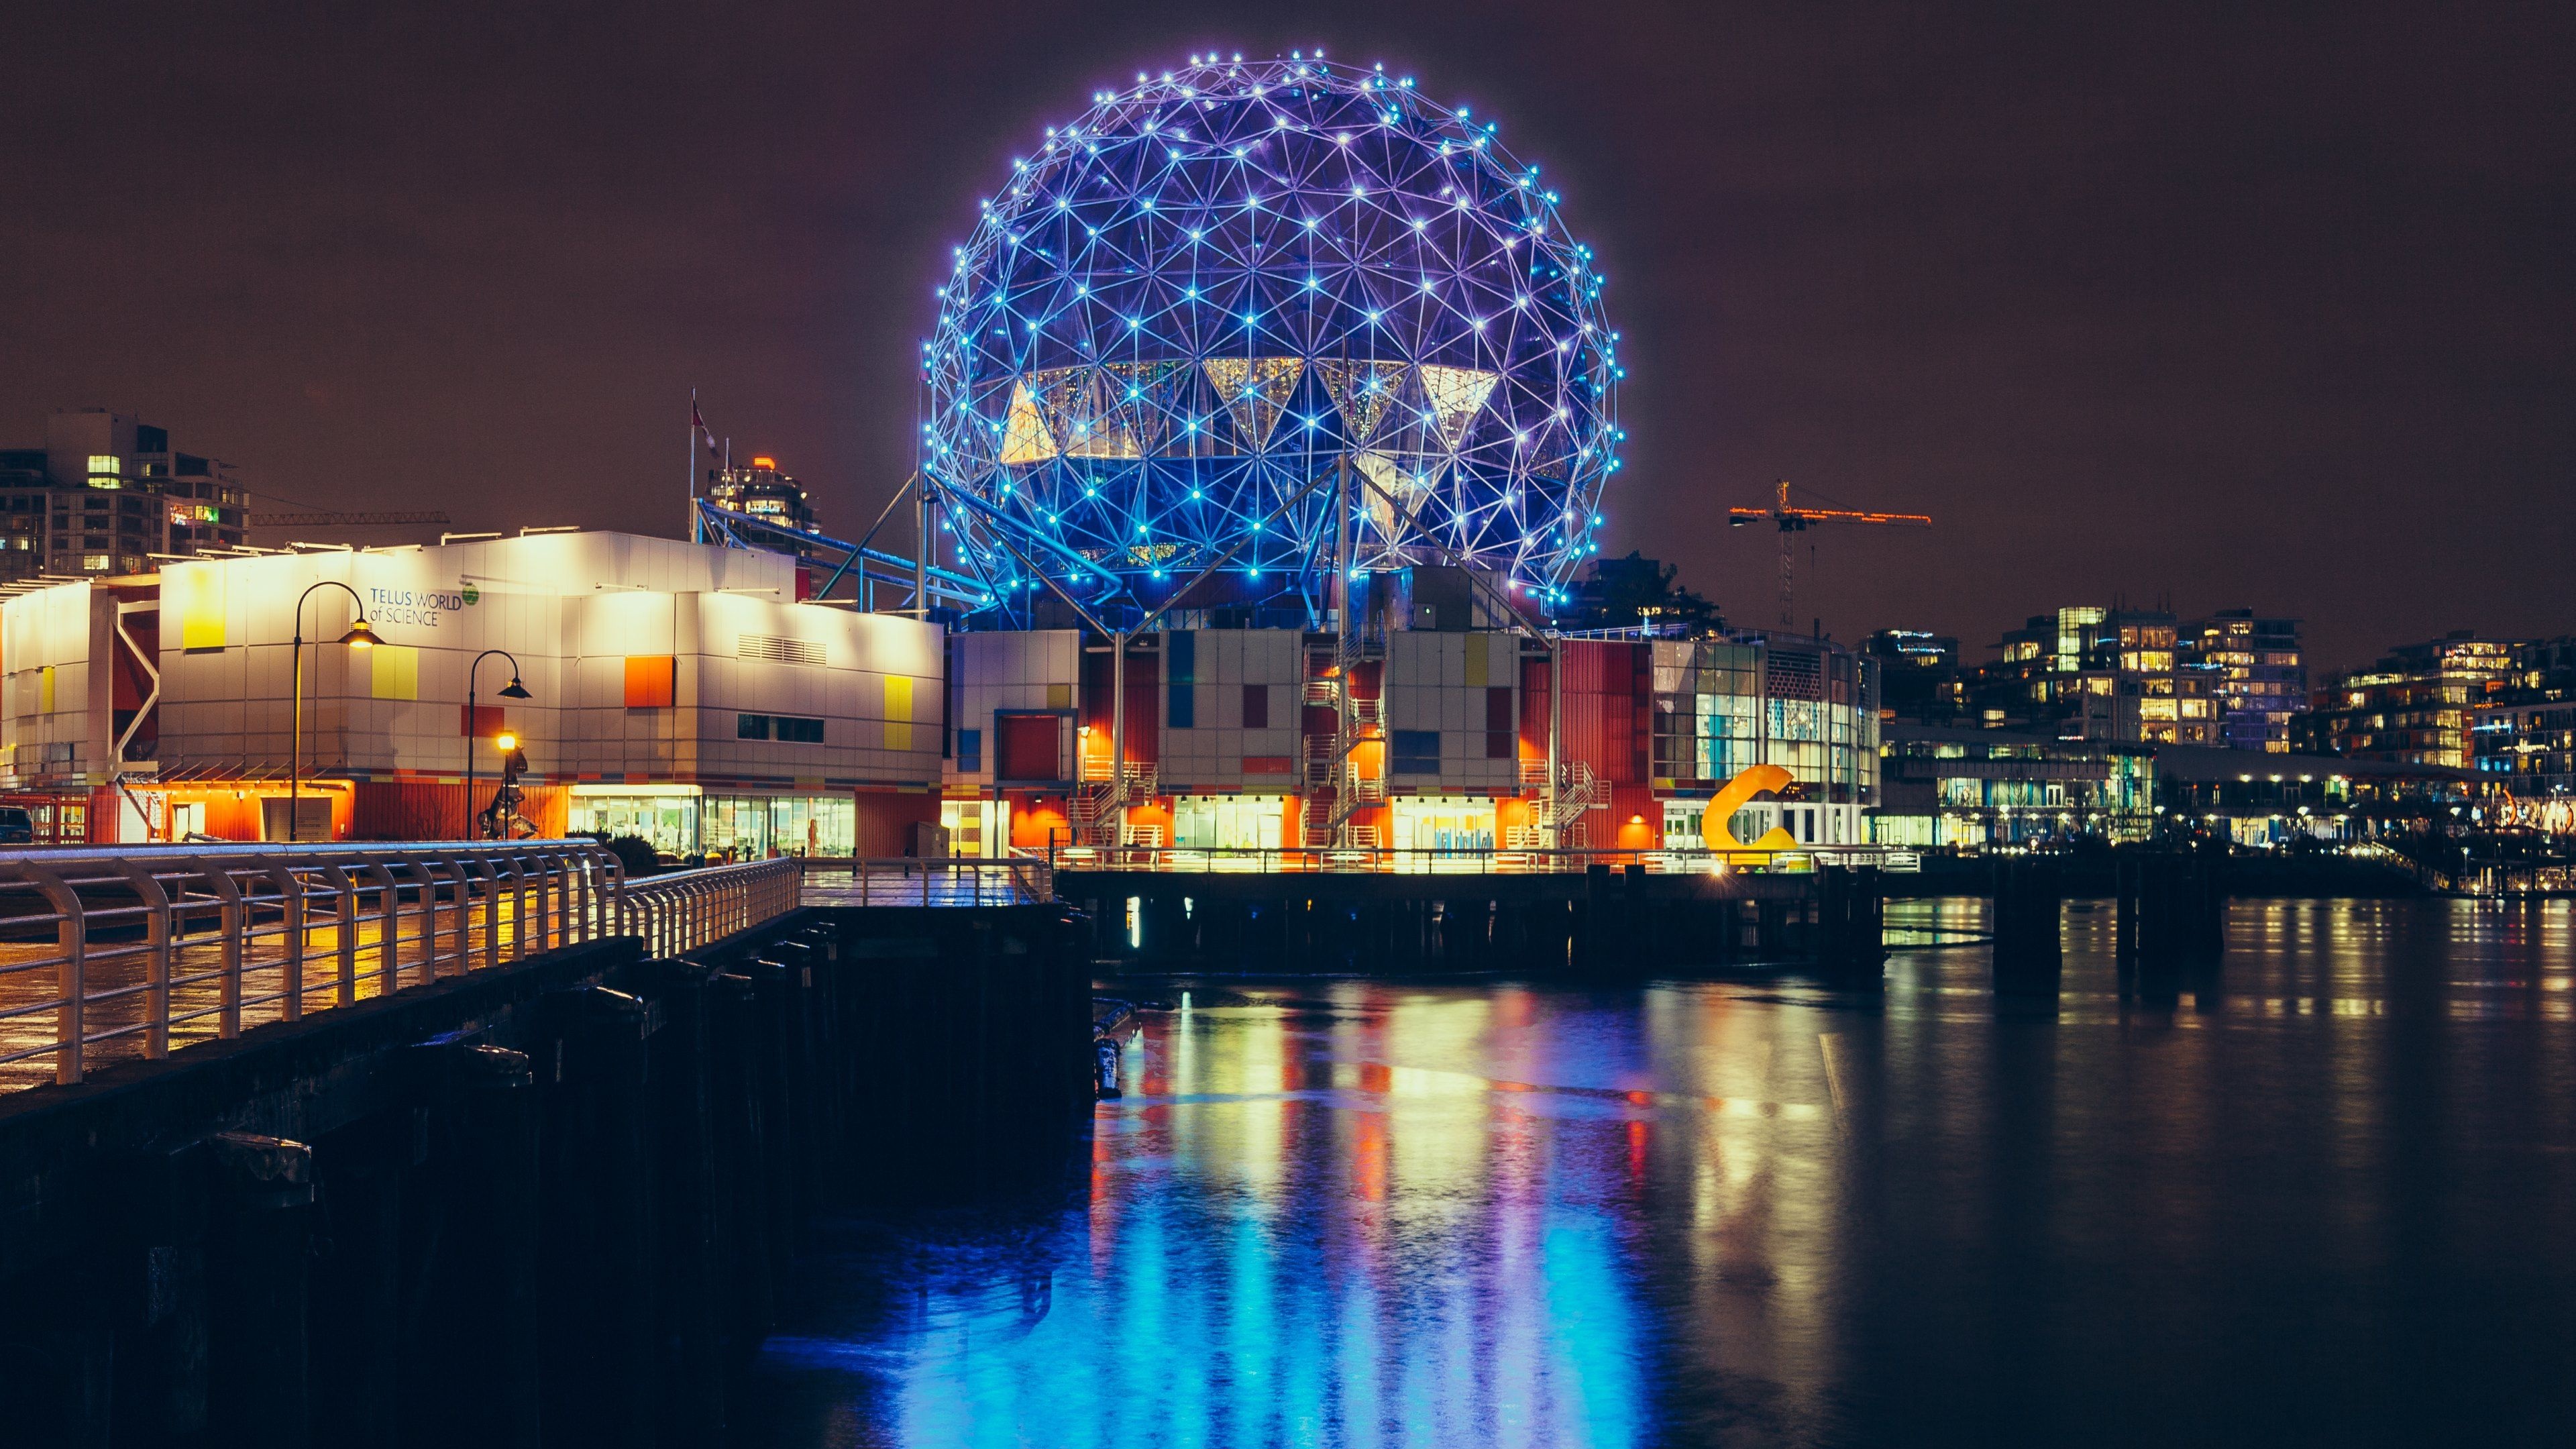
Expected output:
(322, 519)
(1799, 520)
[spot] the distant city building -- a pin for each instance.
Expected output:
(1945, 786)
(1950, 786)
(1918, 674)
(2412, 707)
(107, 493)
(763, 492)
(2092, 673)
(2524, 742)
(2256, 672)
(2545, 669)
(2526, 749)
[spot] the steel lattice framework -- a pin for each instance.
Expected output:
(1240, 279)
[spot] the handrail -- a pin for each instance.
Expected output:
(959, 880)
(684, 910)
(1477, 860)
(110, 953)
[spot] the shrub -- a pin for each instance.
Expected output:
(633, 852)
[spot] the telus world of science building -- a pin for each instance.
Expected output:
(1272, 408)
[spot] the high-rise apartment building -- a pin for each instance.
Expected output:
(2256, 672)
(2413, 706)
(761, 491)
(106, 494)
(2091, 673)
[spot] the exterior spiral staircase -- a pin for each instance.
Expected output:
(1336, 787)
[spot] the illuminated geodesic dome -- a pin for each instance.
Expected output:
(1226, 296)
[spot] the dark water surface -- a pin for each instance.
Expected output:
(2328, 1197)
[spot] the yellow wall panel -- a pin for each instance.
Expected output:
(898, 709)
(198, 598)
(396, 670)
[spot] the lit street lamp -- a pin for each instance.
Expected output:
(473, 725)
(358, 637)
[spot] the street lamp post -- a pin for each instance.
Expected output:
(358, 637)
(473, 726)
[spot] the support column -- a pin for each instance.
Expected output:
(259, 1247)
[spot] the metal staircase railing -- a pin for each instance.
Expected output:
(1095, 805)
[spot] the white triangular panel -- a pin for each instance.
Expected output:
(1256, 391)
(1454, 395)
(1362, 392)
(1025, 438)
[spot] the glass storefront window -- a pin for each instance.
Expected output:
(669, 823)
(1441, 825)
(738, 827)
(977, 829)
(812, 825)
(1228, 822)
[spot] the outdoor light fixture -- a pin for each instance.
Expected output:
(473, 723)
(359, 636)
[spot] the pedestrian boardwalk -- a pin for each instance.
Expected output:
(108, 956)
(948, 881)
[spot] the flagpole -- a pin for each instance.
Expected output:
(697, 524)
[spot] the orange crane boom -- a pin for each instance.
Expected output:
(1791, 519)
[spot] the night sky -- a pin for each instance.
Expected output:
(2269, 310)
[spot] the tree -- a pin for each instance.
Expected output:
(1622, 593)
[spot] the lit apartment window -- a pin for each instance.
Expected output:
(94, 563)
(105, 463)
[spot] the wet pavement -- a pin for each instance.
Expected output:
(2325, 1195)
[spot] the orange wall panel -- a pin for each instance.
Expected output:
(652, 681)
(1040, 821)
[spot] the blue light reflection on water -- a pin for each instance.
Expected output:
(1289, 1238)
(2308, 1197)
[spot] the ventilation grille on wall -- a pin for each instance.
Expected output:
(784, 651)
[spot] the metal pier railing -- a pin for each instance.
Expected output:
(113, 953)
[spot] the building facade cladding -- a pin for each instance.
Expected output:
(649, 662)
(1722, 705)
(1451, 704)
(106, 494)
(1460, 725)
(1229, 710)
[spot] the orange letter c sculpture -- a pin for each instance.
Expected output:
(1752, 780)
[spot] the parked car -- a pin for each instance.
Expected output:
(17, 827)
